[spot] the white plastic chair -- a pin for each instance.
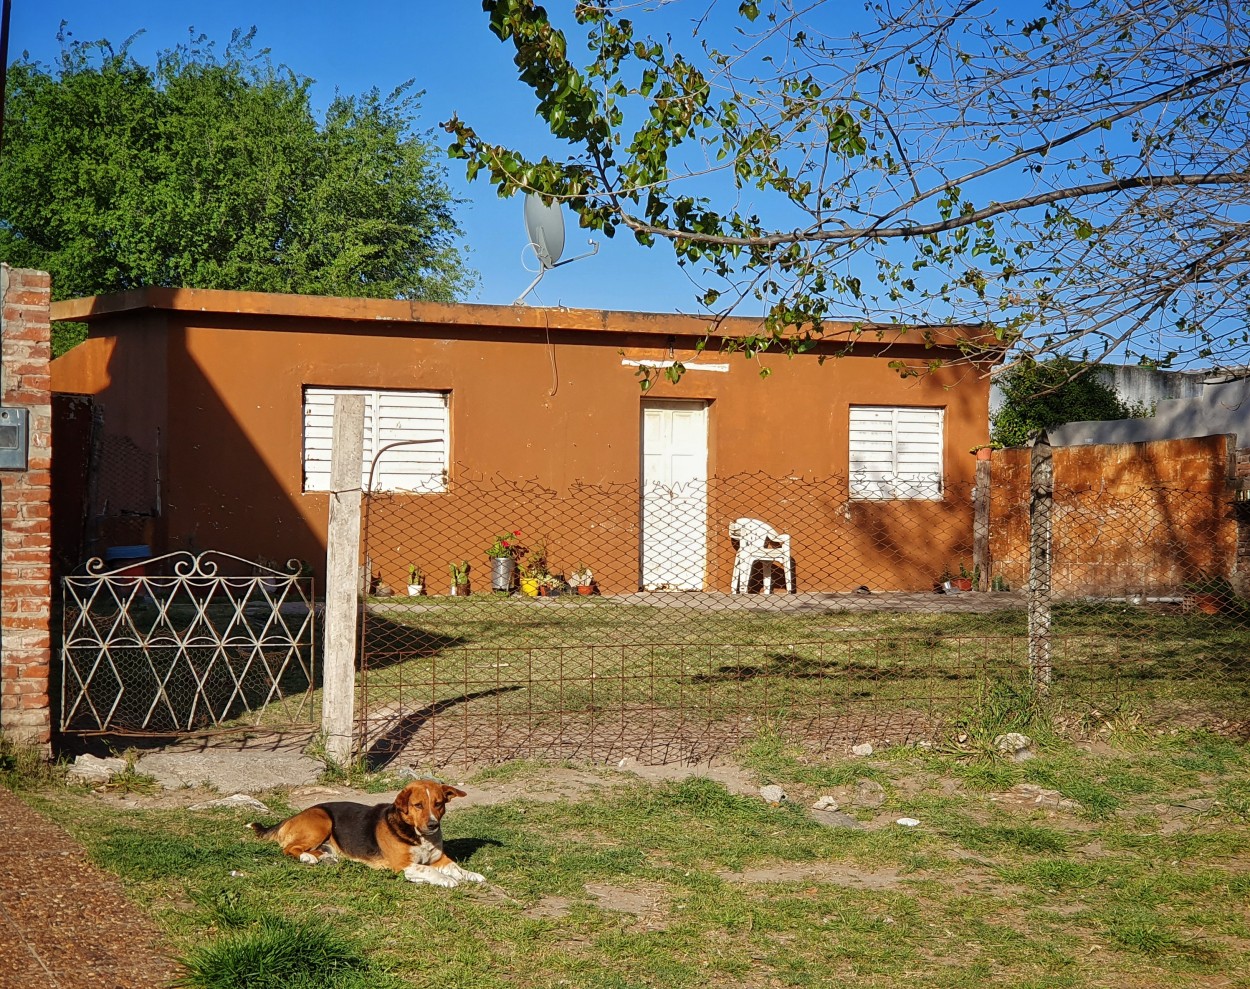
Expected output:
(759, 542)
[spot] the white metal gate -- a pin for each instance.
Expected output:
(175, 645)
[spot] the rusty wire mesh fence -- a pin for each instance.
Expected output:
(673, 624)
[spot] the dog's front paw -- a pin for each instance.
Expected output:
(428, 874)
(463, 874)
(308, 858)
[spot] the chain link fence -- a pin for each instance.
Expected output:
(674, 624)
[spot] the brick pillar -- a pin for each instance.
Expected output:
(25, 504)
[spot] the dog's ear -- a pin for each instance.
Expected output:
(450, 791)
(403, 799)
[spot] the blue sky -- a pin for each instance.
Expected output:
(449, 50)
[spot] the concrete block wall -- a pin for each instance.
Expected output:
(25, 506)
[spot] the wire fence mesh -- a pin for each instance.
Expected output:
(673, 624)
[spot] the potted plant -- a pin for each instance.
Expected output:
(503, 554)
(460, 578)
(549, 584)
(964, 582)
(582, 579)
(533, 569)
(416, 581)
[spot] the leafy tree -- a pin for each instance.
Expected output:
(1046, 394)
(1072, 173)
(213, 172)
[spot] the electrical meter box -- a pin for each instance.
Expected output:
(14, 438)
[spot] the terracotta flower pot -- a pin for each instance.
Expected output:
(1207, 603)
(585, 589)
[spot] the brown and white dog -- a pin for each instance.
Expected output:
(405, 835)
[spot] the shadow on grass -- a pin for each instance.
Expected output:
(396, 738)
(387, 643)
(463, 849)
(794, 667)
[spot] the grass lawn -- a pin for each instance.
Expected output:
(1134, 871)
(517, 673)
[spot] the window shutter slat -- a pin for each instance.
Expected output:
(390, 417)
(895, 452)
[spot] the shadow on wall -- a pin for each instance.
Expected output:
(158, 457)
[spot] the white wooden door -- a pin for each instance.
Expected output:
(674, 495)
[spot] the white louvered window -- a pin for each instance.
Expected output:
(390, 417)
(896, 452)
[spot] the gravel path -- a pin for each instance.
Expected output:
(64, 924)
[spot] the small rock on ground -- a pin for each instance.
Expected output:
(1013, 745)
(836, 819)
(92, 769)
(234, 800)
(869, 793)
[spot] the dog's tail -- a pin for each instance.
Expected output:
(263, 830)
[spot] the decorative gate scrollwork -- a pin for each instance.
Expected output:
(184, 643)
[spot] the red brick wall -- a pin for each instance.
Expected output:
(25, 577)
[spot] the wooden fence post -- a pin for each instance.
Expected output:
(1041, 504)
(342, 577)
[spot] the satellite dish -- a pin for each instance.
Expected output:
(544, 225)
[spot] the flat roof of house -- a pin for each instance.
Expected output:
(100, 308)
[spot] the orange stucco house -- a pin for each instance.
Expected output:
(209, 417)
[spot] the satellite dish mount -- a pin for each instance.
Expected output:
(544, 226)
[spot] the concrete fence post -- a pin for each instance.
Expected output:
(981, 525)
(1041, 506)
(342, 580)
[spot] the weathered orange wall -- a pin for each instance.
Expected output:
(536, 396)
(1129, 518)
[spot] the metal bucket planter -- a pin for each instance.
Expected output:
(502, 573)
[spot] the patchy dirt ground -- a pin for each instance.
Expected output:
(876, 800)
(858, 805)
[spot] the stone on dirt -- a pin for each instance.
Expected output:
(234, 800)
(836, 819)
(1016, 747)
(869, 793)
(92, 769)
